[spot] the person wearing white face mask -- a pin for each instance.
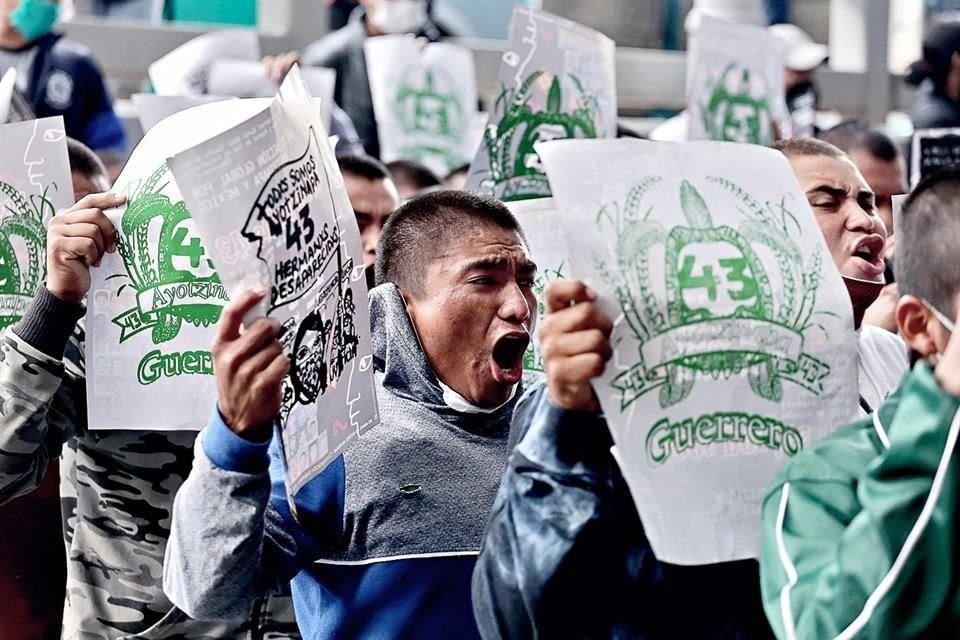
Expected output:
(860, 528)
(383, 542)
(342, 51)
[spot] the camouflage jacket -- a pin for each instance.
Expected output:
(117, 490)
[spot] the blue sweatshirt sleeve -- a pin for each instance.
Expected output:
(102, 129)
(550, 551)
(233, 537)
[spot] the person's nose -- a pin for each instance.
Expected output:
(860, 219)
(369, 240)
(515, 307)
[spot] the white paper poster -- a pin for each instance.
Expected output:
(424, 99)
(34, 184)
(269, 199)
(153, 304)
(735, 91)
(151, 108)
(246, 79)
(542, 227)
(557, 80)
(186, 69)
(733, 332)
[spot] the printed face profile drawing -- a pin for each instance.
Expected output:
(23, 235)
(721, 317)
(536, 111)
(306, 260)
(166, 264)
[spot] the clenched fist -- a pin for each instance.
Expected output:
(575, 343)
(77, 238)
(249, 366)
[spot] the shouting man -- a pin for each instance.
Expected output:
(383, 542)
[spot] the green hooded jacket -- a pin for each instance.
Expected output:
(860, 530)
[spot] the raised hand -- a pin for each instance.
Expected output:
(77, 238)
(575, 342)
(249, 366)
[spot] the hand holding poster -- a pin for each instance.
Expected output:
(735, 90)
(733, 332)
(269, 199)
(152, 304)
(424, 98)
(34, 184)
(557, 81)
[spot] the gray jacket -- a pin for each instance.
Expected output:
(381, 543)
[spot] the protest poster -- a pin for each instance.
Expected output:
(733, 333)
(932, 149)
(268, 197)
(35, 183)
(735, 89)
(540, 222)
(247, 79)
(424, 97)
(557, 80)
(152, 108)
(153, 304)
(186, 69)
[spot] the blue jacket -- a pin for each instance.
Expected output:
(366, 559)
(65, 81)
(565, 554)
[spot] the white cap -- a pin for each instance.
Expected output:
(800, 52)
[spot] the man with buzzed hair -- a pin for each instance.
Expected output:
(877, 157)
(860, 529)
(382, 543)
(845, 209)
(880, 161)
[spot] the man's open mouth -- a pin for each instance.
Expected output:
(508, 357)
(870, 250)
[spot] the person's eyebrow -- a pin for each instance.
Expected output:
(494, 262)
(833, 192)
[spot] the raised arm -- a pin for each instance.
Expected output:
(41, 357)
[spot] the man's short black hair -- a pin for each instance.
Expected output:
(793, 147)
(420, 230)
(363, 167)
(413, 174)
(857, 135)
(928, 234)
(84, 161)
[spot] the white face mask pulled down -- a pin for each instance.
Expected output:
(398, 16)
(944, 320)
(461, 405)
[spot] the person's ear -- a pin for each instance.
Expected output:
(917, 325)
